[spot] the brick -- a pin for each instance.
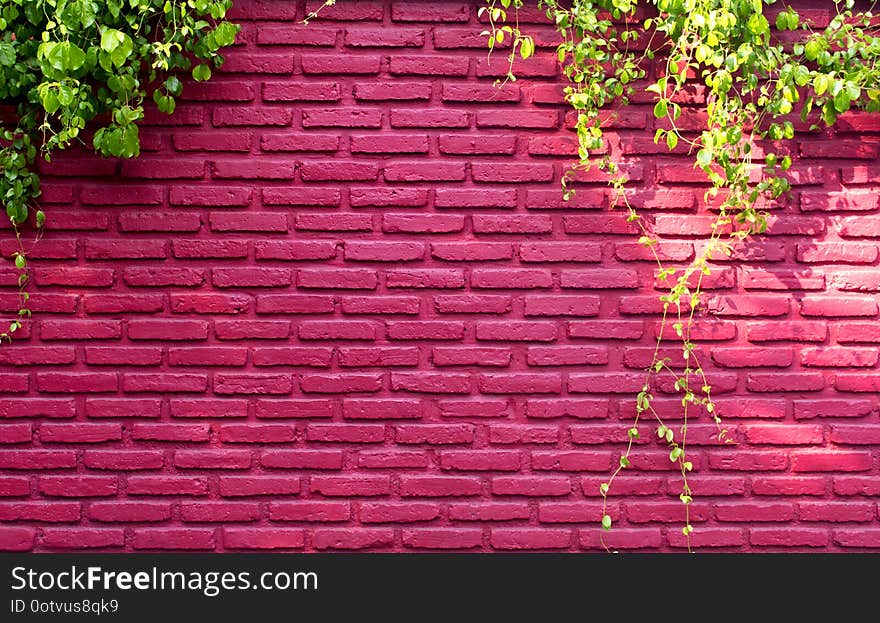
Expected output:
(293, 304)
(259, 433)
(253, 116)
(455, 356)
(392, 91)
(469, 145)
(78, 433)
(247, 486)
(347, 486)
(170, 432)
(258, 63)
(511, 278)
(114, 408)
(529, 539)
(353, 540)
(212, 459)
(383, 357)
(466, 460)
(623, 538)
(531, 486)
(571, 461)
(190, 383)
(226, 142)
(598, 279)
(434, 65)
(200, 408)
(295, 35)
(755, 512)
(789, 537)
(302, 459)
(435, 171)
(340, 383)
(795, 331)
(566, 356)
(381, 409)
(489, 511)
(316, 511)
(429, 119)
(473, 408)
(416, 12)
(836, 511)
(86, 382)
(47, 512)
(442, 538)
(748, 461)
(435, 434)
(173, 538)
(123, 459)
(17, 433)
(391, 144)
(152, 278)
(439, 486)
(342, 278)
(167, 485)
(17, 539)
(37, 355)
(781, 382)
(708, 537)
(820, 461)
(789, 485)
(347, 433)
(263, 539)
(78, 486)
(82, 538)
(520, 383)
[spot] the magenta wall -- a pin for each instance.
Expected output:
(339, 303)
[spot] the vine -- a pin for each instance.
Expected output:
(66, 63)
(756, 81)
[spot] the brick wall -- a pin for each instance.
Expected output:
(339, 303)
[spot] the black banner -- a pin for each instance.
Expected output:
(135, 587)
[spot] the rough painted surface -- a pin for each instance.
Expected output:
(339, 304)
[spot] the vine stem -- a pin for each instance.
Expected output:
(21, 265)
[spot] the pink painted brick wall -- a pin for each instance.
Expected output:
(339, 303)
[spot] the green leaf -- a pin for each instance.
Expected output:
(704, 157)
(174, 86)
(842, 101)
(111, 39)
(224, 34)
(660, 109)
(606, 522)
(526, 47)
(671, 140)
(201, 73)
(7, 54)
(782, 21)
(121, 52)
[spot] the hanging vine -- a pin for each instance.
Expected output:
(757, 82)
(65, 63)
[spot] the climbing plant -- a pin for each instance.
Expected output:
(65, 63)
(757, 83)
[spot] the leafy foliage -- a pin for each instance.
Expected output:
(66, 63)
(757, 85)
